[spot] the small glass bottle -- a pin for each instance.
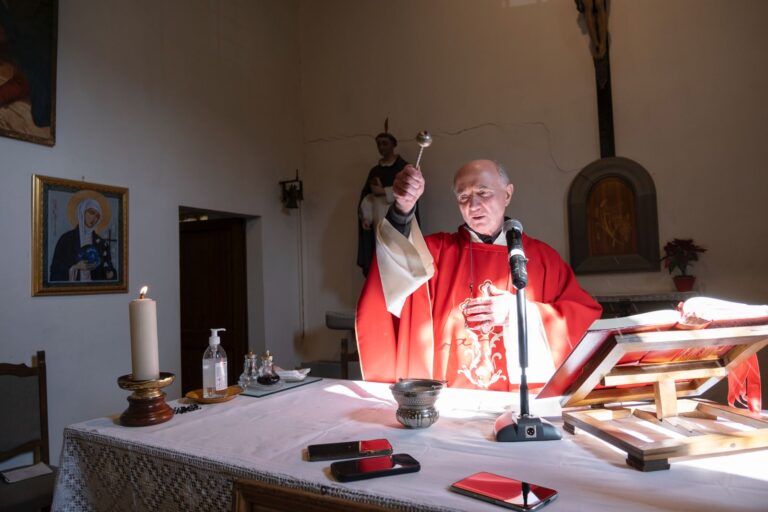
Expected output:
(250, 370)
(267, 375)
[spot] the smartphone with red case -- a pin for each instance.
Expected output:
(362, 469)
(349, 450)
(504, 491)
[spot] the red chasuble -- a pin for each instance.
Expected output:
(431, 340)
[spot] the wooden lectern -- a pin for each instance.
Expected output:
(631, 390)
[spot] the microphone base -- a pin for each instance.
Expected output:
(510, 427)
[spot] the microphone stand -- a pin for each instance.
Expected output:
(525, 426)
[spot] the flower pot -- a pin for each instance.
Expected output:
(684, 283)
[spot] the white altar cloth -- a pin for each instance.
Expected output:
(189, 462)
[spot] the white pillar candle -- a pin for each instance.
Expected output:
(145, 363)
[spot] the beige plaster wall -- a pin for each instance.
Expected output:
(513, 80)
(184, 103)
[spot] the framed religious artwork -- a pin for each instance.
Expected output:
(28, 32)
(79, 237)
(612, 220)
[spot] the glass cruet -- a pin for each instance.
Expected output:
(250, 370)
(267, 375)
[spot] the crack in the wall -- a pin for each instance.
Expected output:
(442, 134)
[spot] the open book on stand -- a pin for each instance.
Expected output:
(633, 382)
(693, 314)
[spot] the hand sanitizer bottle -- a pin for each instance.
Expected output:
(214, 367)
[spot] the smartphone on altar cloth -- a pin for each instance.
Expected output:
(349, 450)
(362, 469)
(505, 492)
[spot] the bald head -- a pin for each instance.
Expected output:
(482, 165)
(483, 192)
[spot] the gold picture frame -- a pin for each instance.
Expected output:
(79, 237)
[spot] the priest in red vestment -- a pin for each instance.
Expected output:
(443, 307)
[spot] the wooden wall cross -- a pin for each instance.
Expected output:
(595, 14)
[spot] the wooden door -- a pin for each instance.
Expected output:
(213, 294)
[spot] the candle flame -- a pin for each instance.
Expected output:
(143, 291)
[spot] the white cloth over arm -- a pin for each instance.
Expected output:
(404, 263)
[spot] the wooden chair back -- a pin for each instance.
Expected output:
(24, 410)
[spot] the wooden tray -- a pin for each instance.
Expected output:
(197, 395)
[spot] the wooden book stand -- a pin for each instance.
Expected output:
(609, 379)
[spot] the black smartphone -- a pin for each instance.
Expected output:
(349, 449)
(504, 491)
(361, 469)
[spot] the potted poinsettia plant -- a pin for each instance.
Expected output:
(679, 254)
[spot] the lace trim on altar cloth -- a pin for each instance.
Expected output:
(99, 473)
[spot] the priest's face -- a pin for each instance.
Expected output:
(483, 195)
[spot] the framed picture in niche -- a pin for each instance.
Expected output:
(79, 237)
(28, 33)
(612, 219)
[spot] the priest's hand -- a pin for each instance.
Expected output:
(407, 188)
(492, 308)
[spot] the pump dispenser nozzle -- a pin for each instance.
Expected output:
(214, 339)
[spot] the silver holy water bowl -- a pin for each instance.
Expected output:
(416, 401)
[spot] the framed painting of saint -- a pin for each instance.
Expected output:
(79, 237)
(28, 32)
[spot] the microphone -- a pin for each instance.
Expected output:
(525, 426)
(517, 259)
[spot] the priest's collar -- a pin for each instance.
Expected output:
(497, 239)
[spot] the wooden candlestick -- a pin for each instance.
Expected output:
(147, 403)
